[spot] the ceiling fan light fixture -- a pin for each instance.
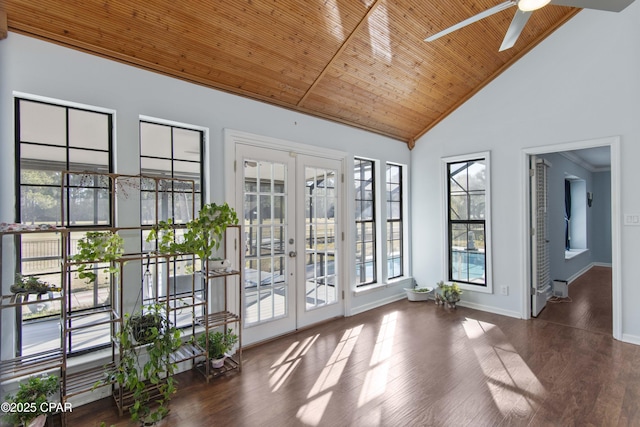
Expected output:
(531, 5)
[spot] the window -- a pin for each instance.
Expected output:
(51, 138)
(575, 215)
(467, 220)
(172, 153)
(394, 222)
(364, 180)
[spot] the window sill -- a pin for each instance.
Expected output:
(404, 282)
(572, 253)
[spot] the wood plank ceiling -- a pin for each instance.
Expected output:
(360, 62)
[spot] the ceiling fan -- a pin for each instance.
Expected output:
(525, 9)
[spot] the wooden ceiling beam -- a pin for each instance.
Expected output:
(344, 45)
(4, 29)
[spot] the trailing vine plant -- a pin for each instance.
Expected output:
(145, 368)
(203, 235)
(98, 247)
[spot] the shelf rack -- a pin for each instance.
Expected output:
(195, 300)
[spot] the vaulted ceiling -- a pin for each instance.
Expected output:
(360, 62)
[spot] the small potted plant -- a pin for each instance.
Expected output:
(32, 285)
(220, 344)
(418, 293)
(32, 400)
(448, 294)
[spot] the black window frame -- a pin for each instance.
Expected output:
(470, 223)
(70, 184)
(398, 221)
(176, 265)
(361, 224)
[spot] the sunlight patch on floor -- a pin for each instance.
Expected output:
(514, 387)
(311, 413)
(287, 363)
(375, 383)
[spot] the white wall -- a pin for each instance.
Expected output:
(35, 67)
(579, 84)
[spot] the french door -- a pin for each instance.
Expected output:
(540, 261)
(290, 206)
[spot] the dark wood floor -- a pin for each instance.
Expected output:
(589, 305)
(416, 364)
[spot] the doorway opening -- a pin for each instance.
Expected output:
(584, 226)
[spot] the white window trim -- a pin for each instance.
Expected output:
(486, 155)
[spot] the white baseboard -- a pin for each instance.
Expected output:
(603, 264)
(378, 303)
(587, 268)
(490, 309)
(631, 339)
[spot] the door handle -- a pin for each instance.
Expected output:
(292, 254)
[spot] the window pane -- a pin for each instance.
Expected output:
(155, 140)
(42, 123)
(186, 144)
(57, 155)
(80, 160)
(155, 166)
(88, 130)
(40, 204)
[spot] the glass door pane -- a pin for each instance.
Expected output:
(266, 290)
(320, 237)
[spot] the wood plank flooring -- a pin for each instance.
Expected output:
(415, 364)
(590, 305)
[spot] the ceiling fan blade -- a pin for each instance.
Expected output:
(517, 25)
(608, 5)
(502, 6)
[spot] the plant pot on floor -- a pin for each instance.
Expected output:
(418, 294)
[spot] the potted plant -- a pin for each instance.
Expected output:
(31, 400)
(146, 371)
(98, 247)
(418, 293)
(218, 346)
(32, 285)
(448, 293)
(145, 326)
(203, 235)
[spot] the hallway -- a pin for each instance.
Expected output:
(589, 305)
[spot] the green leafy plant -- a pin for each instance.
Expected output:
(98, 246)
(449, 293)
(144, 369)
(144, 326)
(202, 236)
(32, 285)
(219, 343)
(31, 398)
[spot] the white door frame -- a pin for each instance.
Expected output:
(232, 137)
(613, 143)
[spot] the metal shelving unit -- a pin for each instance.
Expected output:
(228, 316)
(23, 365)
(192, 303)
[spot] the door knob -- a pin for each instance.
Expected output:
(292, 254)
